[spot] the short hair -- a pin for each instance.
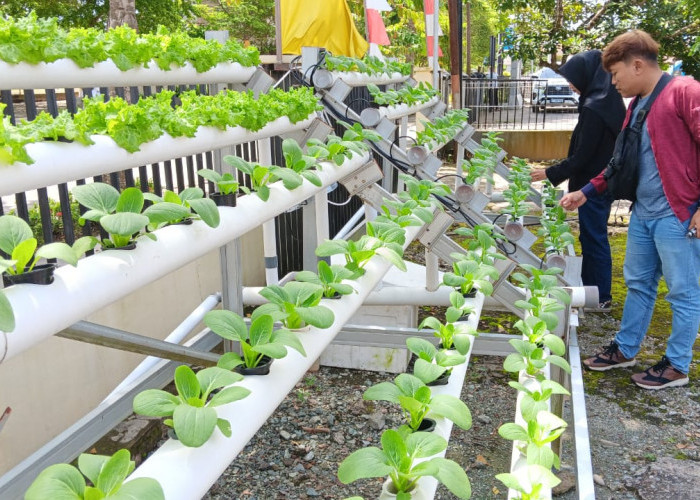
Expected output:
(634, 43)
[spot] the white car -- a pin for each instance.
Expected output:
(551, 91)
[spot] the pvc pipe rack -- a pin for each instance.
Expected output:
(56, 163)
(355, 79)
(64, 73)
(78, 291)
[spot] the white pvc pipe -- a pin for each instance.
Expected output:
(432, 272)
(355, 79)
(176, 336)
(350, 225)
(322, 224)
(79, 291)
(270, 252)
(400, 110)
(64, 73)
(186, 473)
(56, 163)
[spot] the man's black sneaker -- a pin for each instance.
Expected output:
(660, 376)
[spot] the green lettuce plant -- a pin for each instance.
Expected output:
(530, 482)
(172, 208)
(260, 176)
(416, 400)
(536, 332)
(469, 273)
(17, 241)
(296, 305)
(481, 240)
(118, 214)
(536, 438)
(261, 339)
(329, 277)
(407, 213)
(299, 163)
(422, 191)
(423, 92)
(397, 458)
(358, 253)
(334, 149)
(192, 412)
(225, 183)
(532, 359)
(107, 475)
(535, 398)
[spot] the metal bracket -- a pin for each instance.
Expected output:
(92, 333)
(260, 83)
(430, 166)
(436, 229)
(386, 128)
(465, 134)
(362, 178)
(435, 111)
(340, 90)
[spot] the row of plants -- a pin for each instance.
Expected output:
(421, 93)
(482, 164)
(369, 65)
(537, 349)
(554, 229)
(33, 40)
(401, 448)
(442, 129)
(178, 115)
(518, 191)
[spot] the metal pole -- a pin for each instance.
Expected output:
(278, 30)
(436, 58)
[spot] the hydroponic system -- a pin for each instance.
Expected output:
(139, 237)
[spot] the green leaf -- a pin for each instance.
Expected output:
(7, 317)
(23, 254)
(91, 465)
(363, 463)
(453, 477)
(58, 250)
(140, 488)
(124, 224)
(514, 363)
(513, 432)
(392, 257)
(227, 324)
(13, 231)
(114, 471)
(384, 391)
(452, 408)
(57, 482)
(155, 403)
(194, 426)
(426, 371)
(261, 330)
(187, 383)
(228, 395)
(207, 211)
(164, 212)
(419, 346)
(289, 339)
(425, 444)
(229, 361)
(130, 200)
(191, 193)
(318, 316)
(97, 196)
(214, 377)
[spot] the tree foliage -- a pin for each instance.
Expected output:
(248, 20)
(548, 31)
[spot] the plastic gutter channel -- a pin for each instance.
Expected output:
(78, 291)
(187, 473)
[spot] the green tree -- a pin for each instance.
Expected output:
(248, 20)
(549, 31)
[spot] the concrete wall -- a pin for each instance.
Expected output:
(537, 145)
(52, 385)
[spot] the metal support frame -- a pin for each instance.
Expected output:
(105, 336)
(82, 434)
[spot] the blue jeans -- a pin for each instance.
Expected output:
(596, 268)
(655, 248)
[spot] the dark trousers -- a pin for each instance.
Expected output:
(597, 262)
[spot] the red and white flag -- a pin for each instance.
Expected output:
(429, 9)
(376, 31)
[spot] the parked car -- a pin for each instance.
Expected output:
(551, 91)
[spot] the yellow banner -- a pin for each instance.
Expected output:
(320, 23)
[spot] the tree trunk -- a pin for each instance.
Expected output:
(455, 53)
(122, 12)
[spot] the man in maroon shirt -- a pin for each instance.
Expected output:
(664, 231)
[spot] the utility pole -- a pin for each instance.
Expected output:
(455, 52)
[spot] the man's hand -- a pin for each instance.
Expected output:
(695, 223)
(574, 200)
(538, 174)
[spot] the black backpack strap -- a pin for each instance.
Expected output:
(644, 111)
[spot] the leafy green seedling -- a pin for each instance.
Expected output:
(192, 412)
(17, 241)
(530, 482)
(536, 331)
(358, 253)
(416, 401)
(432, 363)
(537, 438)
(397, 458)
(422, 191)
(173, 208)
(329, 277)
(535, 398)
(107, 475)
(468, 273)
(298, 162)
(118, 214)
(260, 176)
(295, 304)
(225, 183)
(258, 341)
(531, 358)
(481, 241)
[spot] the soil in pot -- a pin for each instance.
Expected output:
(224, 200)
(263, 367)
(40, 275)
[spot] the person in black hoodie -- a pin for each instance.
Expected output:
(601, 113)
